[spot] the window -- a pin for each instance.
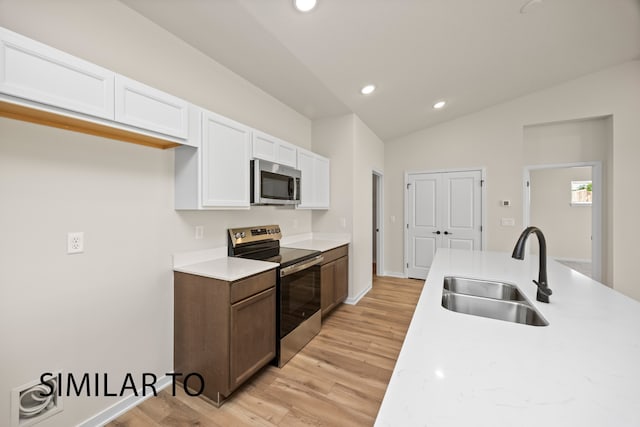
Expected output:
(581, 194)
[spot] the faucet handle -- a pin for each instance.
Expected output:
(543, 288)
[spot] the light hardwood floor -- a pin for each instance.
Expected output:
(338, 379)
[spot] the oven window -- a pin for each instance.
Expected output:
(299, 298)
(276, 186)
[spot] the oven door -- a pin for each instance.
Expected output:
(274, 184)
(299, 294)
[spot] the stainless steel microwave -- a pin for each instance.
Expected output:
(274, 184)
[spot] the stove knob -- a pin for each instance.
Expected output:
(269, 231)
(243, 234)
(277, 230)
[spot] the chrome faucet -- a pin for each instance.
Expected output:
(518, 253)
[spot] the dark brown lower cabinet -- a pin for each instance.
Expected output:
(223, 331)
(253, 325)
(334, 278)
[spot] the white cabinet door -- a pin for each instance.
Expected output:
(322, 182)
(306, 161)
(315, 180)
(145, 107)
(264, 147)
(225, 159)
(287, 154)
(37, 72)
(270, 148)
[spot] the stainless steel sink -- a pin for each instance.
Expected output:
(485, 298)
(483, 288)
(511, 311)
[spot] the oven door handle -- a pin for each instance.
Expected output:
(298, 267)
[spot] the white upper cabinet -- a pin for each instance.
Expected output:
(45, 85)
(37, 72)
(315, 180)
(267, 147)
(322, 170)
(214, 175)
(145, 107)
(225, 162)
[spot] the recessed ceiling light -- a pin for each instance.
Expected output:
(305, 5)
(367, 90)
(438, 105)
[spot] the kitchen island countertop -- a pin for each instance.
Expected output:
(454, 369)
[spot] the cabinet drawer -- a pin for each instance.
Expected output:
(252, 285)
(334, 254)
(37, 72)
(148, 108)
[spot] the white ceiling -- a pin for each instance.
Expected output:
(473, 53)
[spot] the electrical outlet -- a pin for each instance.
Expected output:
(75, 243)
(199, 232)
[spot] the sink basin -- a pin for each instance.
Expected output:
(483, 288)
(511, 311)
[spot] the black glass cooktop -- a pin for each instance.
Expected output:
(284, 256)
(288, 256)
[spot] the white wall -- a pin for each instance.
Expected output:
(493, 138)
(108, 310)
(567, 227)
(355, 151)
(369, 151)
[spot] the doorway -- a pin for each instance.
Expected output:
(565, 201)
(442, 210)
(377, 233)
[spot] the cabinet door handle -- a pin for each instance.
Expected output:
(438, 232)
(447, 233)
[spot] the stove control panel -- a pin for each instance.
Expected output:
(254, 234)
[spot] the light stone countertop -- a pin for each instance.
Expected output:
(228, 268)
(316, 241)
(454, 369)
(216, 264)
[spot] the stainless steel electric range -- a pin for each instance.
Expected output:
(297, 288)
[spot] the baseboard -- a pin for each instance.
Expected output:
(113, 412)
(394, 274)
(354, 300)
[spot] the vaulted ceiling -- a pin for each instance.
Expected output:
(471, 53)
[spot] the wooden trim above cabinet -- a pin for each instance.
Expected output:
(48, 118)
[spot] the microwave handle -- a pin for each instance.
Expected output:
(295, 188)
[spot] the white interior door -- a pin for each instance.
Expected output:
(422, 228)
(462, 216)
(444, 210)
